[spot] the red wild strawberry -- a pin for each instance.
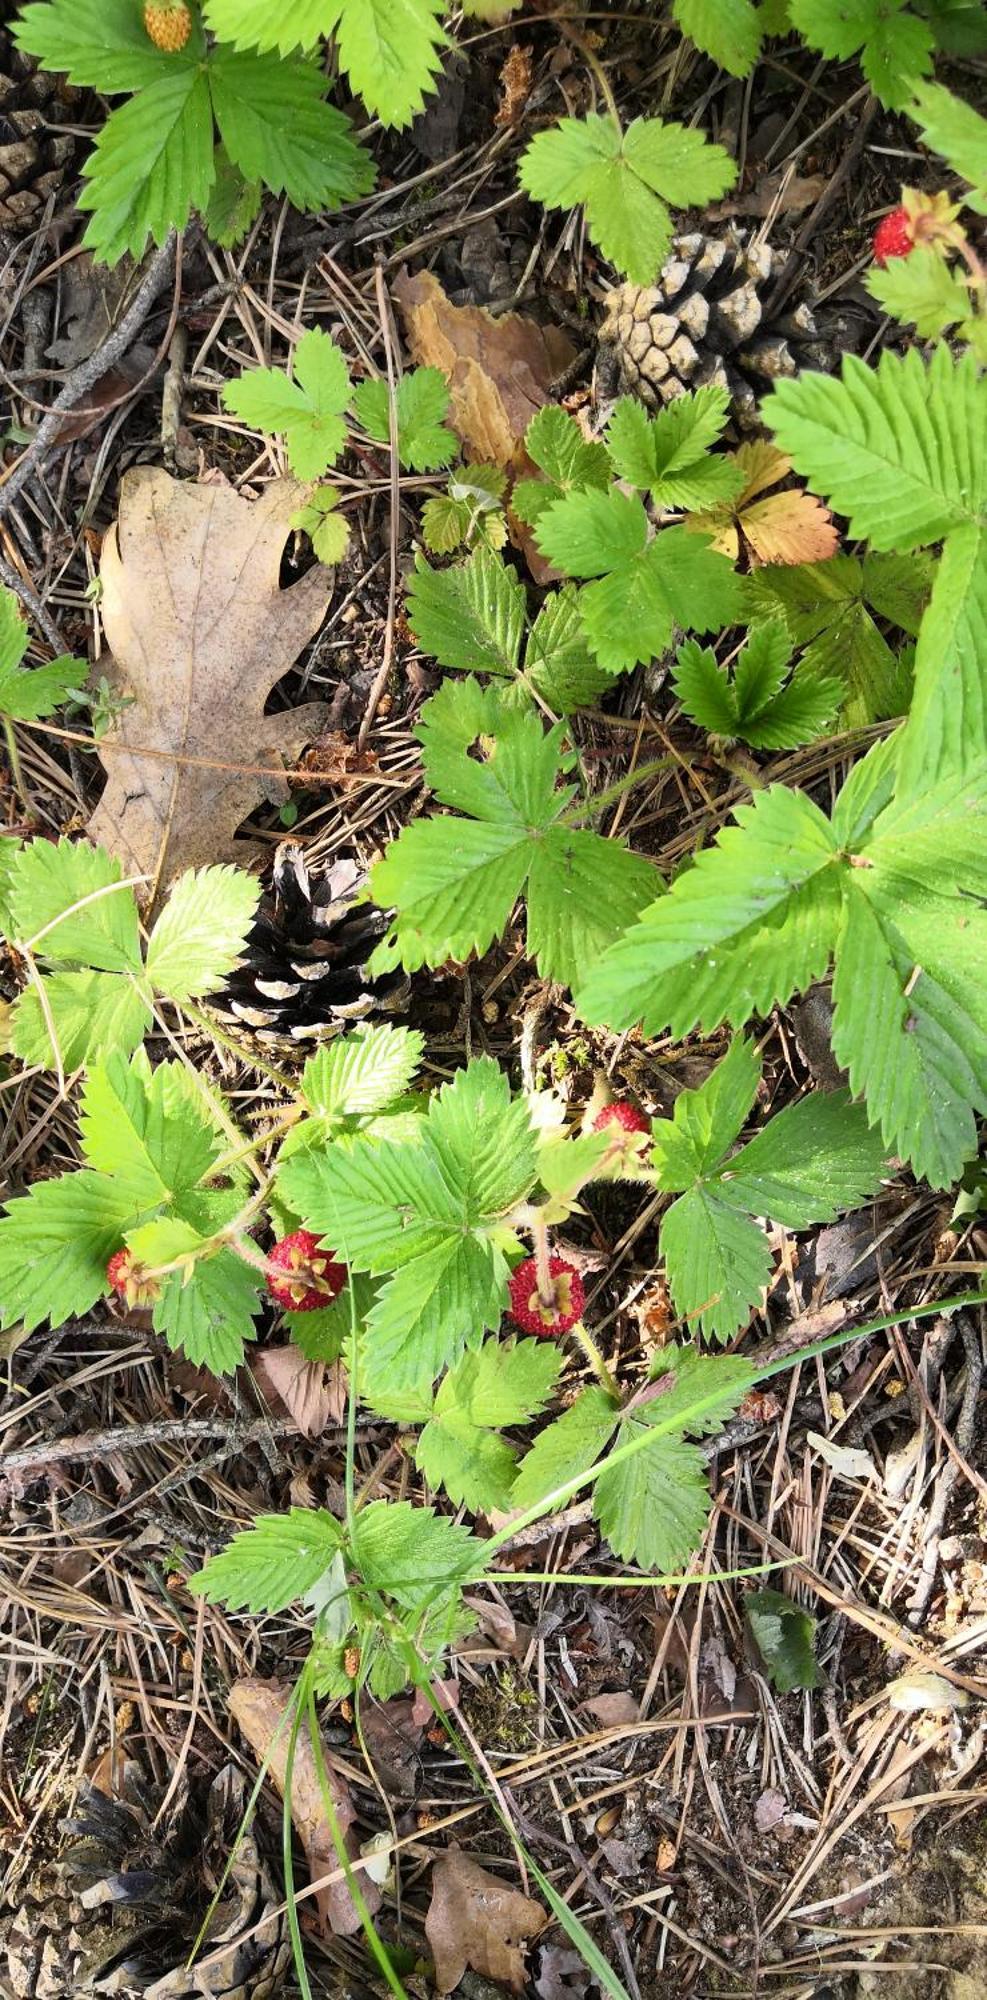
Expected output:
(894, 236)
(311, 1278)
(168, 23)
(546, 1317)
(127, 1279)
(624, 1114)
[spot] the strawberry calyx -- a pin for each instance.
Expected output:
(546, 1317)
(302, 1274)
(130, 1280)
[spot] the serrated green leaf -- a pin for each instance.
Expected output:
(624, 181)
(271, 1564)
(811, 1162)
(152, 164)
(829, 610)
(705, 690)
(894, 45)
(323, 1335)
(201, 932)
(653, 1509)
(571, 1445)
(255, 24)
(957, 131)
(27, 693)
(89, 1012)
(69, 903)
(452, 884)
(100, 44)
(233, 205)
(729, 31)
(946, 729)
(717, 1262)
(327, 529)
(753, 920)
(922, 290)
(278, 129)
(307, 409)
(421, 406)
(149, 1129)
(567, 459)
(474, 1467)
(669, 454)
(504, 1382)
(406, 1551)
(753, 702)
(361, 1073)
(389, 49)
(784, 1635)
(470, 617)
(558, 663)
(898, 448)
(55, 1242)
(706, 1121)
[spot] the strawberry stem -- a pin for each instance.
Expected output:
(595, 1359)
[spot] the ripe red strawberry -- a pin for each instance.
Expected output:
(894, 236)
(312, 1277)
(624, 1114)
(127, 1279)
(168, 23)
(535, 1315)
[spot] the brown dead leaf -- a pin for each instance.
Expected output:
(258, 1707)
(773, 195)
(475, 1921)
(515, 85)
(789, 527)
(500, 371)
(312, 1392)
(612, 1711)
(200, 631)
(332, 756)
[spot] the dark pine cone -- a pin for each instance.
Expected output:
(703, 321)
(35, 157)
(304, 970)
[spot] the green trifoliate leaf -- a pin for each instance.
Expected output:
(428, 1218)
(307, 409)
(831, 609)
(624, 180)
(569, 1446)
(278, 129)
(729, 31)
(557, 445)
(957, 131)
(756, 701)
(27, 693)
(669, 455)
(100, 44)
(85, 1012)
(55, 1242)
(201, 932)
(422, 405)
(754, 919)
(458, 1450)
(272, 1564)
(152, 164)
(894, 46)
(646, 587)
(325, 526)
(389, 49)
(922, 290)
(206, 1309)
(784, 1635)
(469, 513)
(454, 882)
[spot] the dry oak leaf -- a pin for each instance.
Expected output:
(312, 1392)
(500, 371)
(475, 1921)
(789, 527)
(199, 631)
(258, 1708)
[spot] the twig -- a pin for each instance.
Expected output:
(380, 683)
(88, 373)
(32, 603)
(167, 1430)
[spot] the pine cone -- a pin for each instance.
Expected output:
(35, 157)
(304, 970)
(120, 1911)
(703, 322)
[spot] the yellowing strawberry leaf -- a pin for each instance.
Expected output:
(427, 1218)
(754, 702)
(306, 408)
(789, 527)
(624, 180)
(422, 404)
(453, 883)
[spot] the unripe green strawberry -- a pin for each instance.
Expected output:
(168, 23)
